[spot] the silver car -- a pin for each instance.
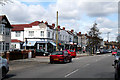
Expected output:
(4, 67)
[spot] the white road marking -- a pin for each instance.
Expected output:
(86, 65)
(71, 73)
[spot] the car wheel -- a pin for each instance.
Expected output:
(51, 62)
(64, 61)
(70, 60)
(74, 56)
(3, 72)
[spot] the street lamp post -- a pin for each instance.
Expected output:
(57, 32)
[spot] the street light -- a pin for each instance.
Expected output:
(57, 32)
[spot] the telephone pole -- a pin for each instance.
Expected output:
(57, 32)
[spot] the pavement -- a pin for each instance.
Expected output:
(98, 66)
(16, 64)
(43, 59)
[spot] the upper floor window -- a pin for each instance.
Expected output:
(42, 33)
(2, 28)
(17, 33)
(48, 34)
(7, 31)
(60, 37)
(70, 40)
(31, 33)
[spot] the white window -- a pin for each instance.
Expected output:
(17, 34)
(48, 34)
(31, 33)
(1, 30)
(42, 33)
(7, 46)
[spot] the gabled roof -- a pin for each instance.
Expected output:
(7, 24)
(20, 27)
(15, 40)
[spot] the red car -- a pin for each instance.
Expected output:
(72, 53)
(114, 52)
(60, 56)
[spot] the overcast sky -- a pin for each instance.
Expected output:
(73, 14)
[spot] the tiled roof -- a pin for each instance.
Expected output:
(20, 27)
(15, 40)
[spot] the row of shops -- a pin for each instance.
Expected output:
(47, 45)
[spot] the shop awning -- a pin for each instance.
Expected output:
(53, 43)
(30, 43)
(42, 42)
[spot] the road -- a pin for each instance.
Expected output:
(98, 66)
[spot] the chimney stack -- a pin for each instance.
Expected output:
(58, 27)
(72, 30)
(53, 24)
(79, 33)
(46, 23)
(63, 28)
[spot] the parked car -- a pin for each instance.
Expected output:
(4, 66)
(41, 52)
(102, 51)
(109, 51)
(60, 56)
(98, 52)
(114, 52)
(72, 53)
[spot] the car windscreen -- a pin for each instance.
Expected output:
(118, 54)
(71, 50)
(114, 50)
(41, 50)
(57, 53)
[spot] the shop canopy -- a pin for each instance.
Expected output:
(29, 43)
(53, 43)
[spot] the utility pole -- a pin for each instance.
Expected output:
(57, 32)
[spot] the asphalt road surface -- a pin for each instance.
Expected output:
(98, 66)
